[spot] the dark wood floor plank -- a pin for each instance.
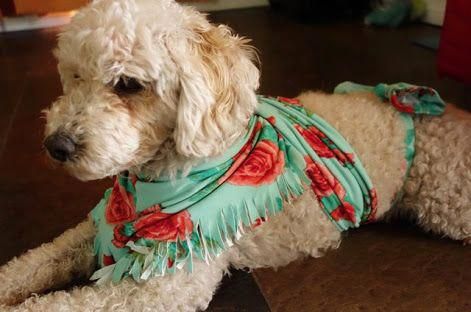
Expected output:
(38, 201)
(238, 293)
(382, 267)
(11, 93)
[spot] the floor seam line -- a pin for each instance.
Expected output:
(4, 141)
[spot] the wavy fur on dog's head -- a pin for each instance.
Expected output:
(149, 85)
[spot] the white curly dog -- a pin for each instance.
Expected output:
(151, 86)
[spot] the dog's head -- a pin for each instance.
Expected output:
(143, 76)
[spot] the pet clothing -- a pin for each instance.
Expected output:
(151, 228)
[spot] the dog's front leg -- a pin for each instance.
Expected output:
(49, 266)
(181, 291)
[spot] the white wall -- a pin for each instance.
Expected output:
(435, 12)
(217, 5)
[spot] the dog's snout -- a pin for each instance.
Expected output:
(60, 146)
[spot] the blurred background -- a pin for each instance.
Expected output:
(305, 44)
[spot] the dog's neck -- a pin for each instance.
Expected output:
(167, 161)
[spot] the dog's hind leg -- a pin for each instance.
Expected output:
(438, 190)
(49, 266)
(181, 291)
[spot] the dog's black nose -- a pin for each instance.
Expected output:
(60, 146)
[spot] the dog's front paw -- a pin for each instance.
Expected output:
(11, 292)
(11, 297)
(10, 300)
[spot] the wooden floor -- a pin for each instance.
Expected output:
(377, 268)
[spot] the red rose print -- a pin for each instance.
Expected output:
(258, 222)
(164, 227)
(240, 157)
(401, 106)
(374, 205)
(264, 163)
(323, 183)
(247, 147)
(271, 120)
(350, 157)
(133, 178)
(339, 190)
(151, 209)
(313, 137)
(119, 239)
(120, 207)
(319, 183)
(374, 198)
(342, 157)
(289, 100)
(316, 132)
(108, 260)
(344, 212)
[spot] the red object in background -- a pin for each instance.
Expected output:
(454, 55)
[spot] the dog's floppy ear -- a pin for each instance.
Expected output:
(218, 80)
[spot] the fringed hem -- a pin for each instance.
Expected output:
(147, 258)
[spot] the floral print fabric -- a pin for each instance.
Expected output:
(409, 100)
(148, 228)
(405, 97)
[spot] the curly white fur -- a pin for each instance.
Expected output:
(438, 190)
(199, 91)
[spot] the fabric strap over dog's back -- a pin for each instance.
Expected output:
(409, 100)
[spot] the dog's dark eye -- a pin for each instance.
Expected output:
(127, 85)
